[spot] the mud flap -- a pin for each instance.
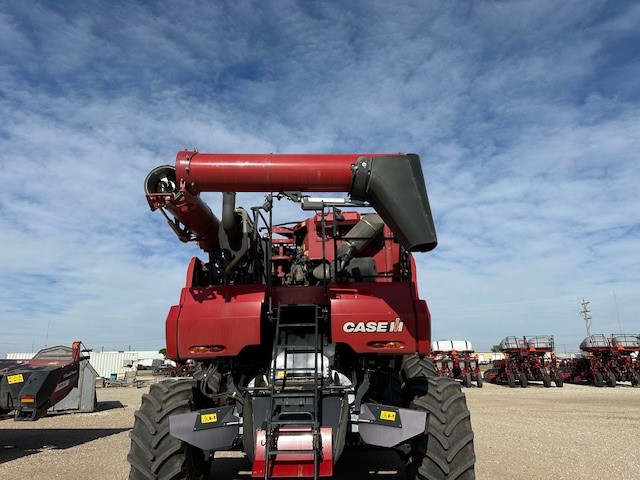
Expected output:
(387, 426)
(210, 429)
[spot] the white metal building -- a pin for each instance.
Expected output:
(109, 365)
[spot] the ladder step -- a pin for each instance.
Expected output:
(291, 371)
(307, 394)
(299, 348)
(301, 423)
(284, 326)
(273, 453)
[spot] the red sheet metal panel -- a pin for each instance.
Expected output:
(171, 332)
(225, 319)
(377, 317)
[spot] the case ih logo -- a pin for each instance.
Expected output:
(370, 327)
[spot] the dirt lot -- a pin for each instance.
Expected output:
(575, 432)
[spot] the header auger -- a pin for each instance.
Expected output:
(311, 334)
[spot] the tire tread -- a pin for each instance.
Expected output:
(445, 451)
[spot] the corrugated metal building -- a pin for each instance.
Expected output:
(20, 356)
(113, 365)
(110, 365)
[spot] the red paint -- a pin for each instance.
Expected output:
(171, 332)
(226, 316)
(193, 212)
(382, 303)
(233, 172)
(231, 316)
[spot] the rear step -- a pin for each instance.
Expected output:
(279, 430)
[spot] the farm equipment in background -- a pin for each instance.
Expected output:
(30, 387)
(624, 359)
(310, 335)
(608, 360)
(456, 359)
(526, 360)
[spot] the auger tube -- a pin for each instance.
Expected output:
(163, 192)
(392, 183)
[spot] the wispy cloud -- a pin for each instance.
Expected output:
(525, 114)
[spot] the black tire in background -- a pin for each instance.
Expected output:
(523, 380)
(559, 381)
(598, 379)
(546, 380)
(445, 451)
(511, 379)
(611, 380)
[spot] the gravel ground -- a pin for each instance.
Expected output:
(575, 432)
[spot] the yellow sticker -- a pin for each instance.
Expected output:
(209, 418)
(387, 415)
(15, 378)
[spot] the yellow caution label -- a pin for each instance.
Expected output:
(18, 378)
(209, 418)
(387, 415)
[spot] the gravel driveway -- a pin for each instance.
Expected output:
(575, 432)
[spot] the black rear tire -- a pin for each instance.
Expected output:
(546, 380)
(445, 450)
(415, 366)
(523, 380)
(511, 380)
(415, 372)
(598, 379)
(466, 380)
(611, 380)
(155, 454)
(479, 381)
(559, 381)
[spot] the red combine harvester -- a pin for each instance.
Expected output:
(456, 359)
(607, 361)
(527, 359)
(310, 334)
(30, 387)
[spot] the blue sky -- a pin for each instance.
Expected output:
(526, 116)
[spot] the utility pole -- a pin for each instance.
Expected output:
(587, 316)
